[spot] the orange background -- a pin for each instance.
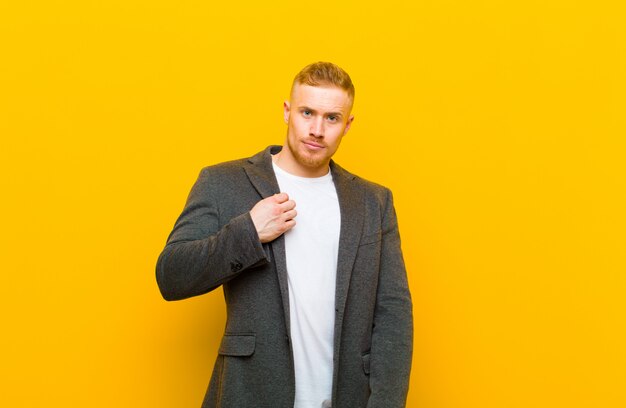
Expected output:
(499, 126)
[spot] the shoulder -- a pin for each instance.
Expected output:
(378, 194)
(237, 167)
(372, 187)
(371, 190)
(217, 178)
(226, 168)
(378, 202)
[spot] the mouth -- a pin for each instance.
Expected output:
(313, 145)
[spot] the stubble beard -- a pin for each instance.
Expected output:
(310, 161)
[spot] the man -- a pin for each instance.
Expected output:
(318, 306)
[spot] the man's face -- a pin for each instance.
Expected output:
(317, 118)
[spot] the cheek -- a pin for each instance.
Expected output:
(297, 127)
(336, 138)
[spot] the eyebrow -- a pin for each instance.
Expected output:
(303, 108)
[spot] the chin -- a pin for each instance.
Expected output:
(312, 161)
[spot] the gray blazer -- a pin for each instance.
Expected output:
(214, 242)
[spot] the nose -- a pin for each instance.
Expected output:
(317, 127)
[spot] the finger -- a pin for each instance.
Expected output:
(290, 224)
(280, 197)
(288, 205)
(291, 214)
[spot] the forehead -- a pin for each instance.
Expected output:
(322, 98)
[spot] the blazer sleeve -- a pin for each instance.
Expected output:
(392, 333)
(199, 256)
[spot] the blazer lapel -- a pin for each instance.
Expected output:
(261, 173)
(262, 177)
(350, 195)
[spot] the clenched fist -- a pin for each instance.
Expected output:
(273, 216)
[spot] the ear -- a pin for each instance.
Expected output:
(286, 110)
(350, 119)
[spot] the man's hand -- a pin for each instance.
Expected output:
(273, 216)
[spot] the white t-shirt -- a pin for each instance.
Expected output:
(311, 248)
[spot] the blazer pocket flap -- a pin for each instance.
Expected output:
(366, 363)
(239, 345)
(371, 238)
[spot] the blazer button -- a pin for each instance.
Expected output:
(236, 266)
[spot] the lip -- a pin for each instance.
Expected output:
(313, 146)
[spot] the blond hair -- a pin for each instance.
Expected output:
(325, 73)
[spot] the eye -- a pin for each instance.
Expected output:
(332, 118)
(306, 113)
